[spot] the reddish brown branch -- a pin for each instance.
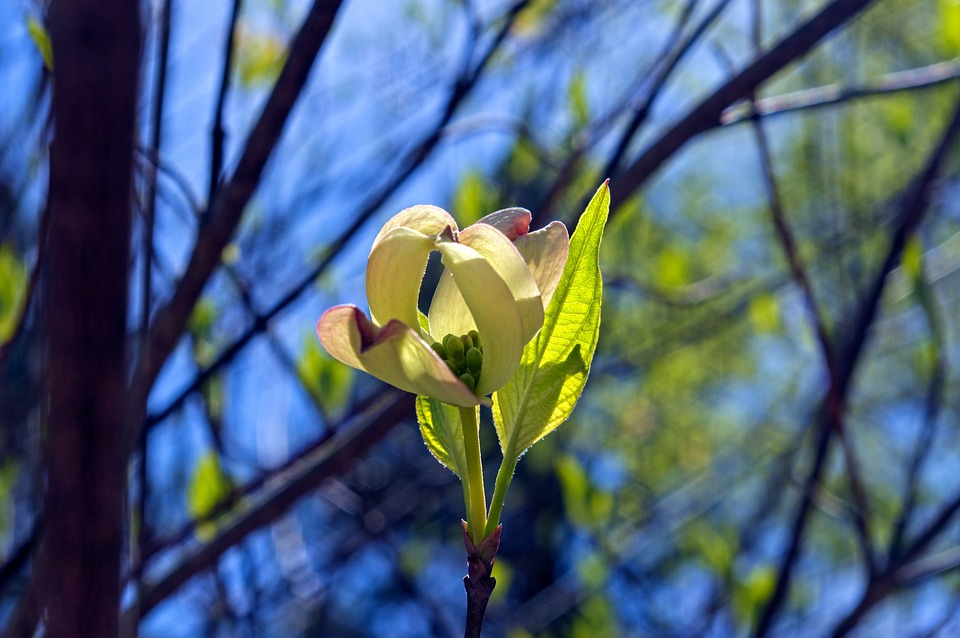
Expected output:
(97, 51)
(706, 115)
(277, 497)
(913, 204)
(231, 200)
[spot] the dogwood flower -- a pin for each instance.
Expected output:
(489, 303)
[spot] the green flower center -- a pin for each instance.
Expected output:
(463, 355)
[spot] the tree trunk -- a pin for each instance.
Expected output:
(96, 48)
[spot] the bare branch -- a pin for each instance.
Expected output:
(276, 497)
(217, 134)
(706, 115)
(817, 97)
(913, 204)
(228, 206)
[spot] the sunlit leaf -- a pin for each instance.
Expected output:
(41, 39)
(577, 95)
(259, 56)
(555, 363)
(208, 488)
(328, 381)
(13, 283)
(442, 432)
(764, 312)
(473, 198)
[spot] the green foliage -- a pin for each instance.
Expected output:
(328, 381)
(13, 284)
(555, 364)
(260, 55)
(208, 488)
(41, 39)
(473, 198)
(442, 432)
(585, 505)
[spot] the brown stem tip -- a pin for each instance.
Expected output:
(478, 582)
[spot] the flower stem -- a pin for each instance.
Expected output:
(504, 476)
(477, 508)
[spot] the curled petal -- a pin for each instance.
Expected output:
(394, 273)
(545, 252)
(394, 354)
(425, 219)
(512, 269)
(492, 304)
(512, 222)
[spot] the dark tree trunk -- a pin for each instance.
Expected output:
(96, 47)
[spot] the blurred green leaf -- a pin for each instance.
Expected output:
(473, 198)
(41, 39)
(764, 312)
(554, 367)
(259, 56)
(328, 381)
(577, 95)
(208, 488)
(950, 25)
(13, 285)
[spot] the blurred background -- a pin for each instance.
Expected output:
(768, 444)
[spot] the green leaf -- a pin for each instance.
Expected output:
(13, 284)
(327, 381)
(441, 431)
(577, 95)
(555, 363)
(41, 39)
(208, 488)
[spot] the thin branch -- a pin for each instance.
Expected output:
(412, 160)
(228, 206)
(817, 97)
(788, 244)
(913, 205)
(217, 133)
(663, 72)
(706, 115)
(934, 400)
(276, 497)
(146, 251)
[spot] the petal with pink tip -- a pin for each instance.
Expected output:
(394, 354)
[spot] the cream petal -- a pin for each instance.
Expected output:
(492, 305)
(509, 264)
(429, 220)
(512, 222)
(394, 274)
(394, 354)
(448, 313)
(545, 252)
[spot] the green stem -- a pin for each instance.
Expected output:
(477, 508)
(504, 476)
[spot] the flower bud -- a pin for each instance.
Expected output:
(474, 360)
(468, 381)
(438, 348)
(454, 347)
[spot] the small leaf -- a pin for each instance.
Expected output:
(555, 363)
(764, 312)
(13, 284)
(441, 431)
(260, 56)
(474, 196)
(326, 380)
(208, 488)
(41, 39)
(577, 94)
